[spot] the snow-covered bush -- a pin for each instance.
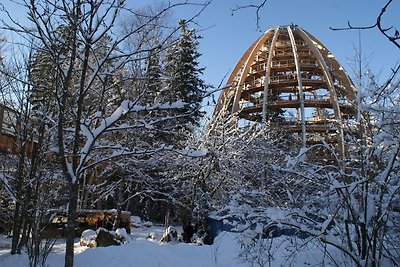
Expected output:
(170, 234)
(152, 236)
(136, 221)
(88, 238)
(349, 205)
(122, 235)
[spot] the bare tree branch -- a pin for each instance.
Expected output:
(392, 37)
(253, 6)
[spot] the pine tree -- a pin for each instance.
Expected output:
(43, 68)
(183, 76)
(153, 77)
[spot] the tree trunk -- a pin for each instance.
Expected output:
(72, 214)
(25, 230)
(25, 218)
(16, 229)
(120, 197)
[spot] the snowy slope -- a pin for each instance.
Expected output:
(144, 252)
(140, 252)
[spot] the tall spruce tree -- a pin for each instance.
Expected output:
(153, 76)
(183, 80)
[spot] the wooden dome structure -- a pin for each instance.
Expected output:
(289, 79)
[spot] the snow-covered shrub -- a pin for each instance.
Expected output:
(152, 236)
(136, 221)
(202, 236)
(255, 250)
(170, 234)
(122, 235)
(88, 238)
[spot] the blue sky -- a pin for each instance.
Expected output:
(226, 37)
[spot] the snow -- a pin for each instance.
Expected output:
(196, 153)
(88, 237)
(71, 172)
(291, 162)
(146, 252)
(4, 181)
(136, 221)
(139, 252)
(92, 135)
(122, 234)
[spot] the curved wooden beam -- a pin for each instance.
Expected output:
(300, 85)
(267, 71)
(332, 92)
(246, 67)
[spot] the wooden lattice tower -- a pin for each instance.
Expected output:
(287, 78)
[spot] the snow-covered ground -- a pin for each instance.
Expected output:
(144, 252)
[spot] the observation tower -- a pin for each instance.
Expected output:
(289, 79)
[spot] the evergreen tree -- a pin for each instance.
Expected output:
(183, 73)
(44, 69)
(153, 77)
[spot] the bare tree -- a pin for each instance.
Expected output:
(29, 141)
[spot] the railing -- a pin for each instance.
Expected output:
(283, 53)
(257, 84)
(291, 64)
(308, 63)
(293, 77)
(282, 78)
(294, 97)
(257, 68)
(282, 63)
(324, 123)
